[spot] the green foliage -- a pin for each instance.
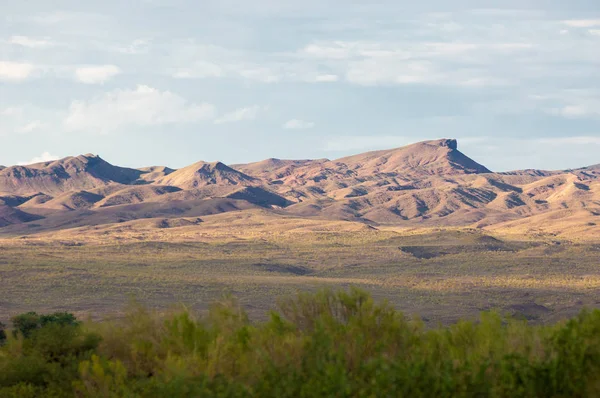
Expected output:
(31, 321)
(41, 357)
(341, 344)
(2, 333)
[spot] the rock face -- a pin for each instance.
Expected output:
(428, 183)
(450, 143)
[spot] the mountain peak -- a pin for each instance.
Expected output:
(204, 173)
(70, 173)
(440, 157)
(451, 143)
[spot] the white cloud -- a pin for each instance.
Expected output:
(96, 74)
(143, 106)
(574, 111)
(15, 71)
(136, 47)
(335, 50)
(572, 104)
(595, 32)
(26, 41)
(326, 78)
(44, 157)
(296, 124)
(248, 113)
(582, 23)
(372, 72)
(261, 74)
(461, 63)
(578, 140)
(199, 70)
(583, 108)
(31, 126)
(12, 111)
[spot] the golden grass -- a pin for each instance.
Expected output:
(260, 257)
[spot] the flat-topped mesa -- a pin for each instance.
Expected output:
(439, 157)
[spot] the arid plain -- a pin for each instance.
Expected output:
(423, 226)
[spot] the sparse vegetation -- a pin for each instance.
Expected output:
(323, 344)
(95, 271)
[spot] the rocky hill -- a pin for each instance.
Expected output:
(429, 183)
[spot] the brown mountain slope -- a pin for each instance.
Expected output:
(273, 169)
(202, 174)
(440, 157)
(10, 216)
(120, 214)
(429, 184)
(72, 173)
(151, 174)
(260, 197)
(74, 200)
(135, 194)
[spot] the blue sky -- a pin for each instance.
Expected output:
(171, 82)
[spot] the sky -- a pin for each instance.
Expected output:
(172, 82)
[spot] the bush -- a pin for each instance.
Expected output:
(28, 322)
(2, 333)
(340, 344)
(43, 354)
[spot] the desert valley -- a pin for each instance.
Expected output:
(423, 226)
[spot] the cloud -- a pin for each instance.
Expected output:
(96, 74)
(44, 157)
(574, 111)
(261, 74)
(461, 63)
(199, 70)
(582, 23)
(15, 71)
(26, 41)
(296, 124)
(136, 47)
(31, 126)
(336, 50)
(372, 72)
(571, 104)
(248, 113)
(12, 111)
(577, 140)
(143, 106)
(326, 78)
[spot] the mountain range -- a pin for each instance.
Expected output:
(427, 184)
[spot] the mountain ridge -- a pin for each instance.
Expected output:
(430, 183)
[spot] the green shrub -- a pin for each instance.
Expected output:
(31, 321)
(2, 333)
(43, 355)
(341, 344)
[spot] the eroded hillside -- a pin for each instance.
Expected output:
(430, 183)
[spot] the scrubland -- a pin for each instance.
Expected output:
(325, 344)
